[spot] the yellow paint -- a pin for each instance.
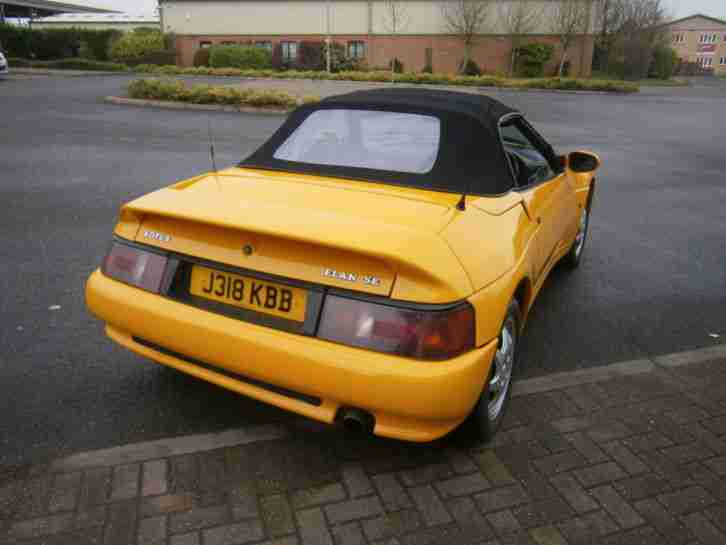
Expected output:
(416, 245)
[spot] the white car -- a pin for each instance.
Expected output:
(4, 69)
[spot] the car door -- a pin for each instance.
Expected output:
(547, 192)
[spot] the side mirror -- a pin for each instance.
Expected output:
(583, 162)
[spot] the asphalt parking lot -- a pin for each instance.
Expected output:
(653, 280)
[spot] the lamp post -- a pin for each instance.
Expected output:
(160, 11)
(327, 38)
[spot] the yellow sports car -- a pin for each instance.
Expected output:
(372, 264)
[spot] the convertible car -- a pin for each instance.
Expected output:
(372, 264)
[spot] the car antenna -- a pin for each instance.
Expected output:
(461, 205)
(211, 150)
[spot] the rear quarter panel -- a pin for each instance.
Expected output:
(494, 251)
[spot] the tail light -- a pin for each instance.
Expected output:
(135, 266)
(426, 335)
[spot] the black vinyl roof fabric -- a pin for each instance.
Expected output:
(471, 157)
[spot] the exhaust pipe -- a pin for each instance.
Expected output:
(356, 420)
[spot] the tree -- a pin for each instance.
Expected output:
(395, 19)
(569, 18)
(609, 19)
(639, 33)
(629, 32)
(517, 18)
(466, 19)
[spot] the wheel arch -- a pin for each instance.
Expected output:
(523, 295)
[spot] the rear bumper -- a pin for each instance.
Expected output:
(411, 400)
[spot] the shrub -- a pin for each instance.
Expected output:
(664, 63)
(428, 69)
(86, 64)
(201, 57)
(158, 58)
(69, 64)
(155, 89)
(471, 68)
(98, 42)
(397, 66)
(532, 59)
(209, 94)
(145, 30)
(685, 68)
(235, 56)
(311, 56)
(136, 44)
(408, 77)
(16, 41)
(47, 44)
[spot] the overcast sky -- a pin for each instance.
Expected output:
(679, 8)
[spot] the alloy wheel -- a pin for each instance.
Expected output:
(503, 367)
(581, 233)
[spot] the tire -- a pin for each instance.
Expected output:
(484, 420)
(572, 259)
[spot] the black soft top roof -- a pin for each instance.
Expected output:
(471, 157)
(486, 109)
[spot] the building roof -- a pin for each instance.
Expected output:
(695, 16)
(49, 6)
(470, 157)
(109, 18)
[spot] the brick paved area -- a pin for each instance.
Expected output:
(636, 459)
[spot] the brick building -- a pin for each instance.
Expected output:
(363, 26)
(700, 39)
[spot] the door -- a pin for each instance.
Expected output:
(547, 192)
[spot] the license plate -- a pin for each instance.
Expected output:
(249, 293)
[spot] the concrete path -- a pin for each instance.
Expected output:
(628, 454)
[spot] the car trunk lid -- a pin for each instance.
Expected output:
(365, 237)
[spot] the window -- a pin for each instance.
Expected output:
(705, 62)
(526, 154)
(264, 45)
(289, 51)
(205, 45)
(679, 38)
(723, 61)
(356, 50)
(708, 38)
(366, 139)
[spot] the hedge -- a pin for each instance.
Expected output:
(236, 56)
(54, 43)
(68, 64)
(137, 44)
(173, 90)
(159, 58)
(407, 77)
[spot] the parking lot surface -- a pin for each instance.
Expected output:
(652, 282)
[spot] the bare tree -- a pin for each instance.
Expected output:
(466, 19)
(639, 33)
(395, 19)
(518, 18)
(569, 19)
(609, 19)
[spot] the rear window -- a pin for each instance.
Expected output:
(366, 139)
